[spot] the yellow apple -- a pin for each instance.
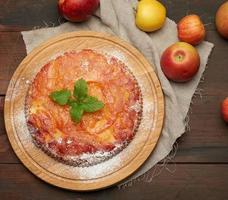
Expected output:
(150, 15)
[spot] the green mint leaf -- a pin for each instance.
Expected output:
(92, 104)
(76, 112)
(60, 97)
(71, 101)
(80, 102)
(80, 89)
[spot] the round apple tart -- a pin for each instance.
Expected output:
(96, 136)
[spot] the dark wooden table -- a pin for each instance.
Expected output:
(200, 167)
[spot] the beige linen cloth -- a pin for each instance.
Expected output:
(118, 17)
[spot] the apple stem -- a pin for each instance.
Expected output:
(179, 57)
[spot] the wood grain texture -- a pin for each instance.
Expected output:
(24, 14)
(121, 165)
(28, 14)
(12, 51)
(202, 144)
(6, 153)
(206, 142)
(203, 182)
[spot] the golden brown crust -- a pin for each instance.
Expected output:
(99, 135)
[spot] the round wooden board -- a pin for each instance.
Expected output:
(106, 173)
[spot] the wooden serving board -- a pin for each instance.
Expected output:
(106, 173)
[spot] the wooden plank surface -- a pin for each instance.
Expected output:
(201, 159)
(198, 182)
(202, 144)
(12, 51)
(28, 14)
(145, 141)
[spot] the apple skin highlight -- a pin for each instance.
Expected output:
(191, 30)
(221, 20)
(180, 62)
(224, 109)
(77, 10)
(150, 15)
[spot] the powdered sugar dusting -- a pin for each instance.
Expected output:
(146, 125)
(27, 81)
(136, 107)
(85, 64)
(147, 118)
(60, 140)
(101, 169)
(92, 158)
(117, 54)
(68, 154)
(105, 167)
(69, 141)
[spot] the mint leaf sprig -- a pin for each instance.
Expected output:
(80, 102)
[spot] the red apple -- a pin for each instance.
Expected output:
(77, 10)
(221, 20)
(191, 30)
(224, 109)
(180, 62)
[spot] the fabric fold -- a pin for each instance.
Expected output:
(117, 17)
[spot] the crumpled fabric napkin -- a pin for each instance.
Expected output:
(117, 17)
